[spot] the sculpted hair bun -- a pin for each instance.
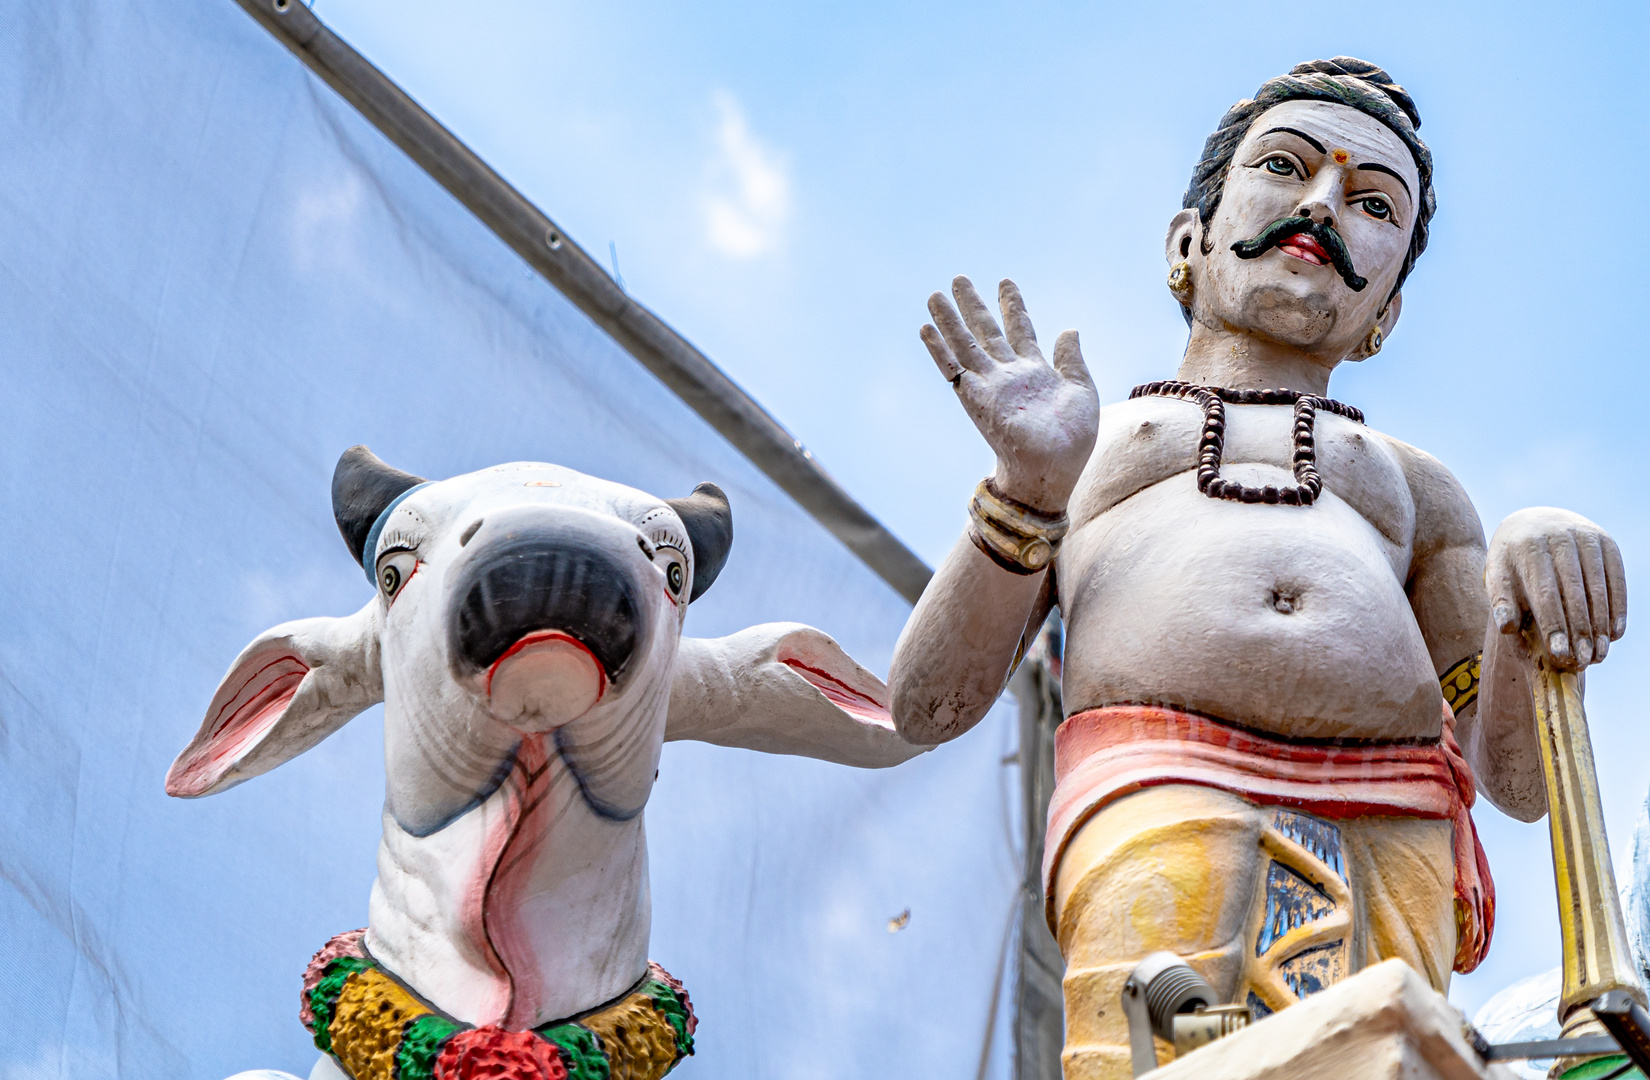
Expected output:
(1367, 72)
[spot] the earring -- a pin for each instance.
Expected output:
(1180, 282)
(1371, 343)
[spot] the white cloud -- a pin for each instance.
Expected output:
(748, 195)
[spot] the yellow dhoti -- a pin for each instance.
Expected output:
(1258, 862)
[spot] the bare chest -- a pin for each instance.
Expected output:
(1146, 441)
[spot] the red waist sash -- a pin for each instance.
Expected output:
(1104, 754)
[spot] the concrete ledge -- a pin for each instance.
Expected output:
(1385, 1023)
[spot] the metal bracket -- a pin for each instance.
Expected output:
(1586, 1046)
(1626, 1020)
(1142, 1051)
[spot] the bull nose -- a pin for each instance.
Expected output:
(546, 581)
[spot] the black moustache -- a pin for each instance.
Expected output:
(1324, 233)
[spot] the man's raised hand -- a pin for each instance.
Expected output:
(1039, 419)
(1566, 573)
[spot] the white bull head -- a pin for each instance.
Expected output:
(526, 642)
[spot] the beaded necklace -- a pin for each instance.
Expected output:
(1213, 444)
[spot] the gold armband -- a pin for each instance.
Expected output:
(1460, 683)
(1017, 537)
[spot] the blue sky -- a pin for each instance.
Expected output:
(785, 184)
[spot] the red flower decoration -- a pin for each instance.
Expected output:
(491, 1053)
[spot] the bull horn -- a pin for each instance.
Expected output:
(363, 487)
(709, 521)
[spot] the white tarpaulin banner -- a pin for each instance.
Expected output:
(214, 277)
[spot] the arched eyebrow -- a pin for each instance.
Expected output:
(1316, 145)
(1377, 167)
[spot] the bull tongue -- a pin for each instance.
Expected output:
(543, 681)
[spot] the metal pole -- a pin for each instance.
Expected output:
(1597, 959)
(1039, 1005)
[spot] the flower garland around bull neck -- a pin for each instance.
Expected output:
(375, 1029)
(1213, 399)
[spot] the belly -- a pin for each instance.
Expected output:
(1289, 620)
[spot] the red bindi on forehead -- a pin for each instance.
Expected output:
(1341, 157)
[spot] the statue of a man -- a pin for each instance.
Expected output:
(1274, 613)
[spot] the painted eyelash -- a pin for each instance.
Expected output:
(665, 538)
(396, 538)
(657, 530)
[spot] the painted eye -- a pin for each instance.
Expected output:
(1279, 165)
(1377, 208)
(395, 569)
(675, 568)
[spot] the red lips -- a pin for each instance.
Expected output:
(1304, 246)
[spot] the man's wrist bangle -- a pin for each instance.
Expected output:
(1019, 538)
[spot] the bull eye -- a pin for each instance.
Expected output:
(675, 567)
(395, 568)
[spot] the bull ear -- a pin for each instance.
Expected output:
(362, 489)
(709, 522)
(783, 688)
(288, 690)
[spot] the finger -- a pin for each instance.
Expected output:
(1615, 576)
(964, 349)
(1068, 359)
(1598, 594)
(1541, 590)
(979, 320)
(941, 353)
(1539, 575)
(1021, 337)
(1505, 595)
(1572, 590)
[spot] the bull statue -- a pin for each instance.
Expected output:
(525, 638)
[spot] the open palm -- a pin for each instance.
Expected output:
(1040, 419)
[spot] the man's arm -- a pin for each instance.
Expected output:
(1549, 575)
(970, 627)
(1496, 728)
(1558, 596)
(965, 635)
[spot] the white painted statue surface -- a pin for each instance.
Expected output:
(1273, 611)
(525, 639)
